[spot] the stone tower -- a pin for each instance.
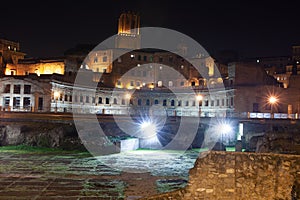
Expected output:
(128, 31)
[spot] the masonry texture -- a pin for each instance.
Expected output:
(234, 175)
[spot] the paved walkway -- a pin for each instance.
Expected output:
(72, 176)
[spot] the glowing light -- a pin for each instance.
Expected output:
(199, 97)
(272, 99)
(225, 128)
(56, 94)
(127, 96)
(148, 129)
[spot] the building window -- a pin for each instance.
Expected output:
(16, 102)
(170, 83)
(70, 98)
(223, 102)
(81, 99)
(159, 84)
(182, 83)
(6, 101)
(100, 100)
(255, 107)
(7, 88)
(131, 83)
(187, 103)
(227, 102)
(193, 83)
(156, 102)
(123, 102)
(139, 102)
(106, 100)
(194, 103)
(76, 98)
(26, 102)
(104, 59)
(151, 58)
(179, 103)
(95, 59)
(27, 89)
(164, 102)
(171, 59)
(206, 103)
(17, 89)
(115, 101)
(61, 97)
(139, 57)
(147, 102)
(40, 103)
(231, 101)
(160, 59)
(93, 99)
(212, 103)
(66, 97)
(172, 102)
(218, 102)
(200, 103)
(138, 84)
(145, 58)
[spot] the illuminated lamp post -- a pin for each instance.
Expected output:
(56, 96)
(128, 97)
(272, 100)
(225, 129)
(199, 99)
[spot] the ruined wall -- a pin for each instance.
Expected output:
(237, 175)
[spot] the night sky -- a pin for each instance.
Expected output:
(252, 29)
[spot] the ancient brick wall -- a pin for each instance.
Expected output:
(237, 175)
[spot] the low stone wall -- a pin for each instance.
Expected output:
(237, 175)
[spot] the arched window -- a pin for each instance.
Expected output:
(156, 102)
(115, 101)
(147, 102)
(172, 102)
(106, 100)
(179, 103)
(187, 103)
(170, 83)
(123, 101)
(100, 100)
(139, 102)
(164, 102)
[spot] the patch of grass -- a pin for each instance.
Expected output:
(26, 149)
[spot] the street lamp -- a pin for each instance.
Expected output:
(56, 96)
(272, 100)
(199, 99)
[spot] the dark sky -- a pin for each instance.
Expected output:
(252, 28)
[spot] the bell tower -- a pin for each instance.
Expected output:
(128, 31)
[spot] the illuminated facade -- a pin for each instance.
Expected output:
(36, 66)
(140, 80)
(128, 32)
(9, 53)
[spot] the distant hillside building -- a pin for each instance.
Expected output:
(9, 53)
